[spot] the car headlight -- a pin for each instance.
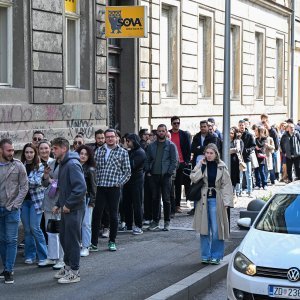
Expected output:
(242, 264)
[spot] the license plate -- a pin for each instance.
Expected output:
(284, 292)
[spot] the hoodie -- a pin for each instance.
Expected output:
(137, 157)
(71, 183)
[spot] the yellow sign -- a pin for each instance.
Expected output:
(70, 6)
(126, 21)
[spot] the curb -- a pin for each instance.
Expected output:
(194, 284)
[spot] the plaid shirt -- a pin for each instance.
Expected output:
(36, 190)
(116, 170)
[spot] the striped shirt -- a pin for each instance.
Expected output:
(115, 171)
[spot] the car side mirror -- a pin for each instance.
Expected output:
(244, 222)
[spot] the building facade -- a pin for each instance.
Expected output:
(59, 74)
(182, 61)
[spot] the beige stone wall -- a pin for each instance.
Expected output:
(249, 15)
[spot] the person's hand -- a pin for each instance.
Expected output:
(55, 210)
(46, 172)
(203, 161)
(66, 210)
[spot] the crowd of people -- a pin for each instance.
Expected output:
(119, 182)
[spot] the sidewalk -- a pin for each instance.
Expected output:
(143, 266)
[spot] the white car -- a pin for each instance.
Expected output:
(266, 265)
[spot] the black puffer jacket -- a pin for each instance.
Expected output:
(90, 179)
(137, 157)
(249, 145)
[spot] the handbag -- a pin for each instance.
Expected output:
(242, 164)
(195, 190)
(53, 189)
(53, 225)
(261, 155)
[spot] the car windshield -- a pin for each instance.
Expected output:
(282, 215)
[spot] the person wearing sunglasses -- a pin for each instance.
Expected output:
(37, 137)
(182, 141)
(78, 141)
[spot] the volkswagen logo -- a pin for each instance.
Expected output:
(293, 274)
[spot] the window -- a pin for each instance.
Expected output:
(168, 51)
(205, 54)
(279, 57)
(281, 215)
(5, 45)
(72, 47)
(259, 66)
(235, 62)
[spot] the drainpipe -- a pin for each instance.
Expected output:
(137, 82)
(292, 58)
(226, 89)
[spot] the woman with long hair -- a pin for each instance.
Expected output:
(236, 150)
(260, 151)
(86, 156)
(49, 181)
(210, 218)
(32, 208)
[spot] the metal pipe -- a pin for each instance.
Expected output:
(226, 88)
(292, 58)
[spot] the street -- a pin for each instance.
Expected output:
(142, 266)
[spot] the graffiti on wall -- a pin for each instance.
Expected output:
(17, 122)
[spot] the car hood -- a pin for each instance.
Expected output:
(269, 249)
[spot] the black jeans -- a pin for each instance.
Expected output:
(70, 236)
(109, 196)
(132, 200)
(180, 180)
(161, 185)
(289, 166)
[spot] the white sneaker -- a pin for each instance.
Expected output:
(84, 252)
(105, 233)
(70, 277)
(46, 263)
(61, 273)
(60, 264)
(29, 261)
(137, 230)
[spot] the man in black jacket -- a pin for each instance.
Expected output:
(290, 145)
(200, 141)
(249, 146)
(160, 166)
(133, 189)
(181, 139)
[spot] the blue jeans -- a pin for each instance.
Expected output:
(248, 174)
(260, 176)
(9, 223)
(211, 246)
(86, 231)
(34, 238)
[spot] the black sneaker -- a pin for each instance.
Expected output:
(8, 277)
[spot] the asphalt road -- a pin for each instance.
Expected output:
(142, 266)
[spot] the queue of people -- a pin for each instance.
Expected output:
(117, 183)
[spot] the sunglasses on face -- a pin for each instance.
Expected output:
(77, 143)
(36, 139)
(176, 123)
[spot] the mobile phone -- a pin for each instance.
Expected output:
(45, 165)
